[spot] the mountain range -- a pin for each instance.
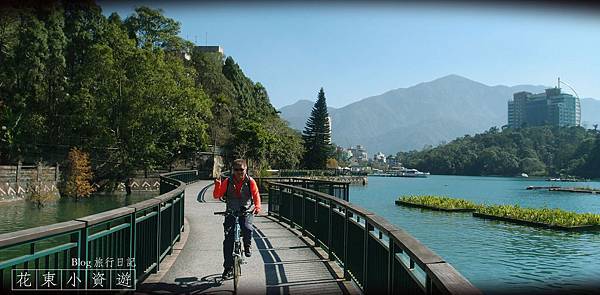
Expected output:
(428, 113)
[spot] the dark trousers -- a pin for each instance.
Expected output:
(228, 226)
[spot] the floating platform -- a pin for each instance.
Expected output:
(574, 190)
(407, 204)
(541, 187)
(579, 228)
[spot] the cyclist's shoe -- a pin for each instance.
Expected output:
(227, 273)
(247, 251)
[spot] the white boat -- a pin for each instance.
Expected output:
(405, 172)
(413, 173)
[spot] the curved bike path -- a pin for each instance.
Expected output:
(282, 261)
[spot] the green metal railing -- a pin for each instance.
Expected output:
(337, 189)
(378, 256)
(137, 237)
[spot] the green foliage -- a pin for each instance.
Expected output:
(244, 112)
(39, 197)
(124, 91)
(540, 215)
(535, 151)
(439, 202)
(150, 28)
(544, 215)
(316, 135)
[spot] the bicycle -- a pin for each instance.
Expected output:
(238, 257)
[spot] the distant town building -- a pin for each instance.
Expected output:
(392, 161)
(379, 158)
(549, 108)
(218, 49)
(359, 153)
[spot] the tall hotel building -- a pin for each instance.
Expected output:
(549, 108)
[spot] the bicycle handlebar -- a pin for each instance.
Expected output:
(239, 213)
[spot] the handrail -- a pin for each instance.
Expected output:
(339, 189)
(142, 233)
(380, 257)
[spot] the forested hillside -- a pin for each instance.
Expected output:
(130, 92)
(535, 150)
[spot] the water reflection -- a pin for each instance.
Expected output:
(18, 215)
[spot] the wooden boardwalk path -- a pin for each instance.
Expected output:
(282, 261)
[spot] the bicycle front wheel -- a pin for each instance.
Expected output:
(237, 272)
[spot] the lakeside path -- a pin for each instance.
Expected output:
(282, 261)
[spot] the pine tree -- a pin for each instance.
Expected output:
(316, 135)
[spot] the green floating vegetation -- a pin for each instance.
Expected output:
(546, 217)
(438, 202)
(552, 217)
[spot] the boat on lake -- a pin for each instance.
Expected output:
(403, 172)
(566, 179)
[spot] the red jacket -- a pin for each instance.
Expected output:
(221, 189)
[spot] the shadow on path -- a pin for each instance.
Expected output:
(287, 269)
(184, 285)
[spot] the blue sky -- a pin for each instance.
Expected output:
(360, 50)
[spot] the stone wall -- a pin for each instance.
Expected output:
(18, 181)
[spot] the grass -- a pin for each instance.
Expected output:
(439, 202)
(553, 217)
(542, 215)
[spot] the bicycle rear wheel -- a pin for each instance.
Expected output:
(237, 272)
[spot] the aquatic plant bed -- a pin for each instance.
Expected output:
(538, 217)
(574, 190)
(548, 218)
(437, 203)
(538, 224)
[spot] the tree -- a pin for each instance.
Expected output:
(78, 175)
(592, 166)
(150, 28)
(317, 135)
(332, 163)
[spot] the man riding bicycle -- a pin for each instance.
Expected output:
(241, 194)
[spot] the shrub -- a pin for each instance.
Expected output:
(39, 197)
(78, 175)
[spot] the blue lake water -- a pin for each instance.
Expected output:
(20, 214)
(495, 256)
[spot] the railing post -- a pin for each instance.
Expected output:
(428, 285)
(316, 220)
(346, 221)
(158, 236)
(182, 216)
(172, 225)
(347, 194)
(330, 232)
(391, 260)
(132, 243)
(303, 214)
(291, 209)
(366, 253)
(270, 199)
(81, 240)
(281, 192)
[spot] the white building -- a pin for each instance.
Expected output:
(359, 153)
(379, 157)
